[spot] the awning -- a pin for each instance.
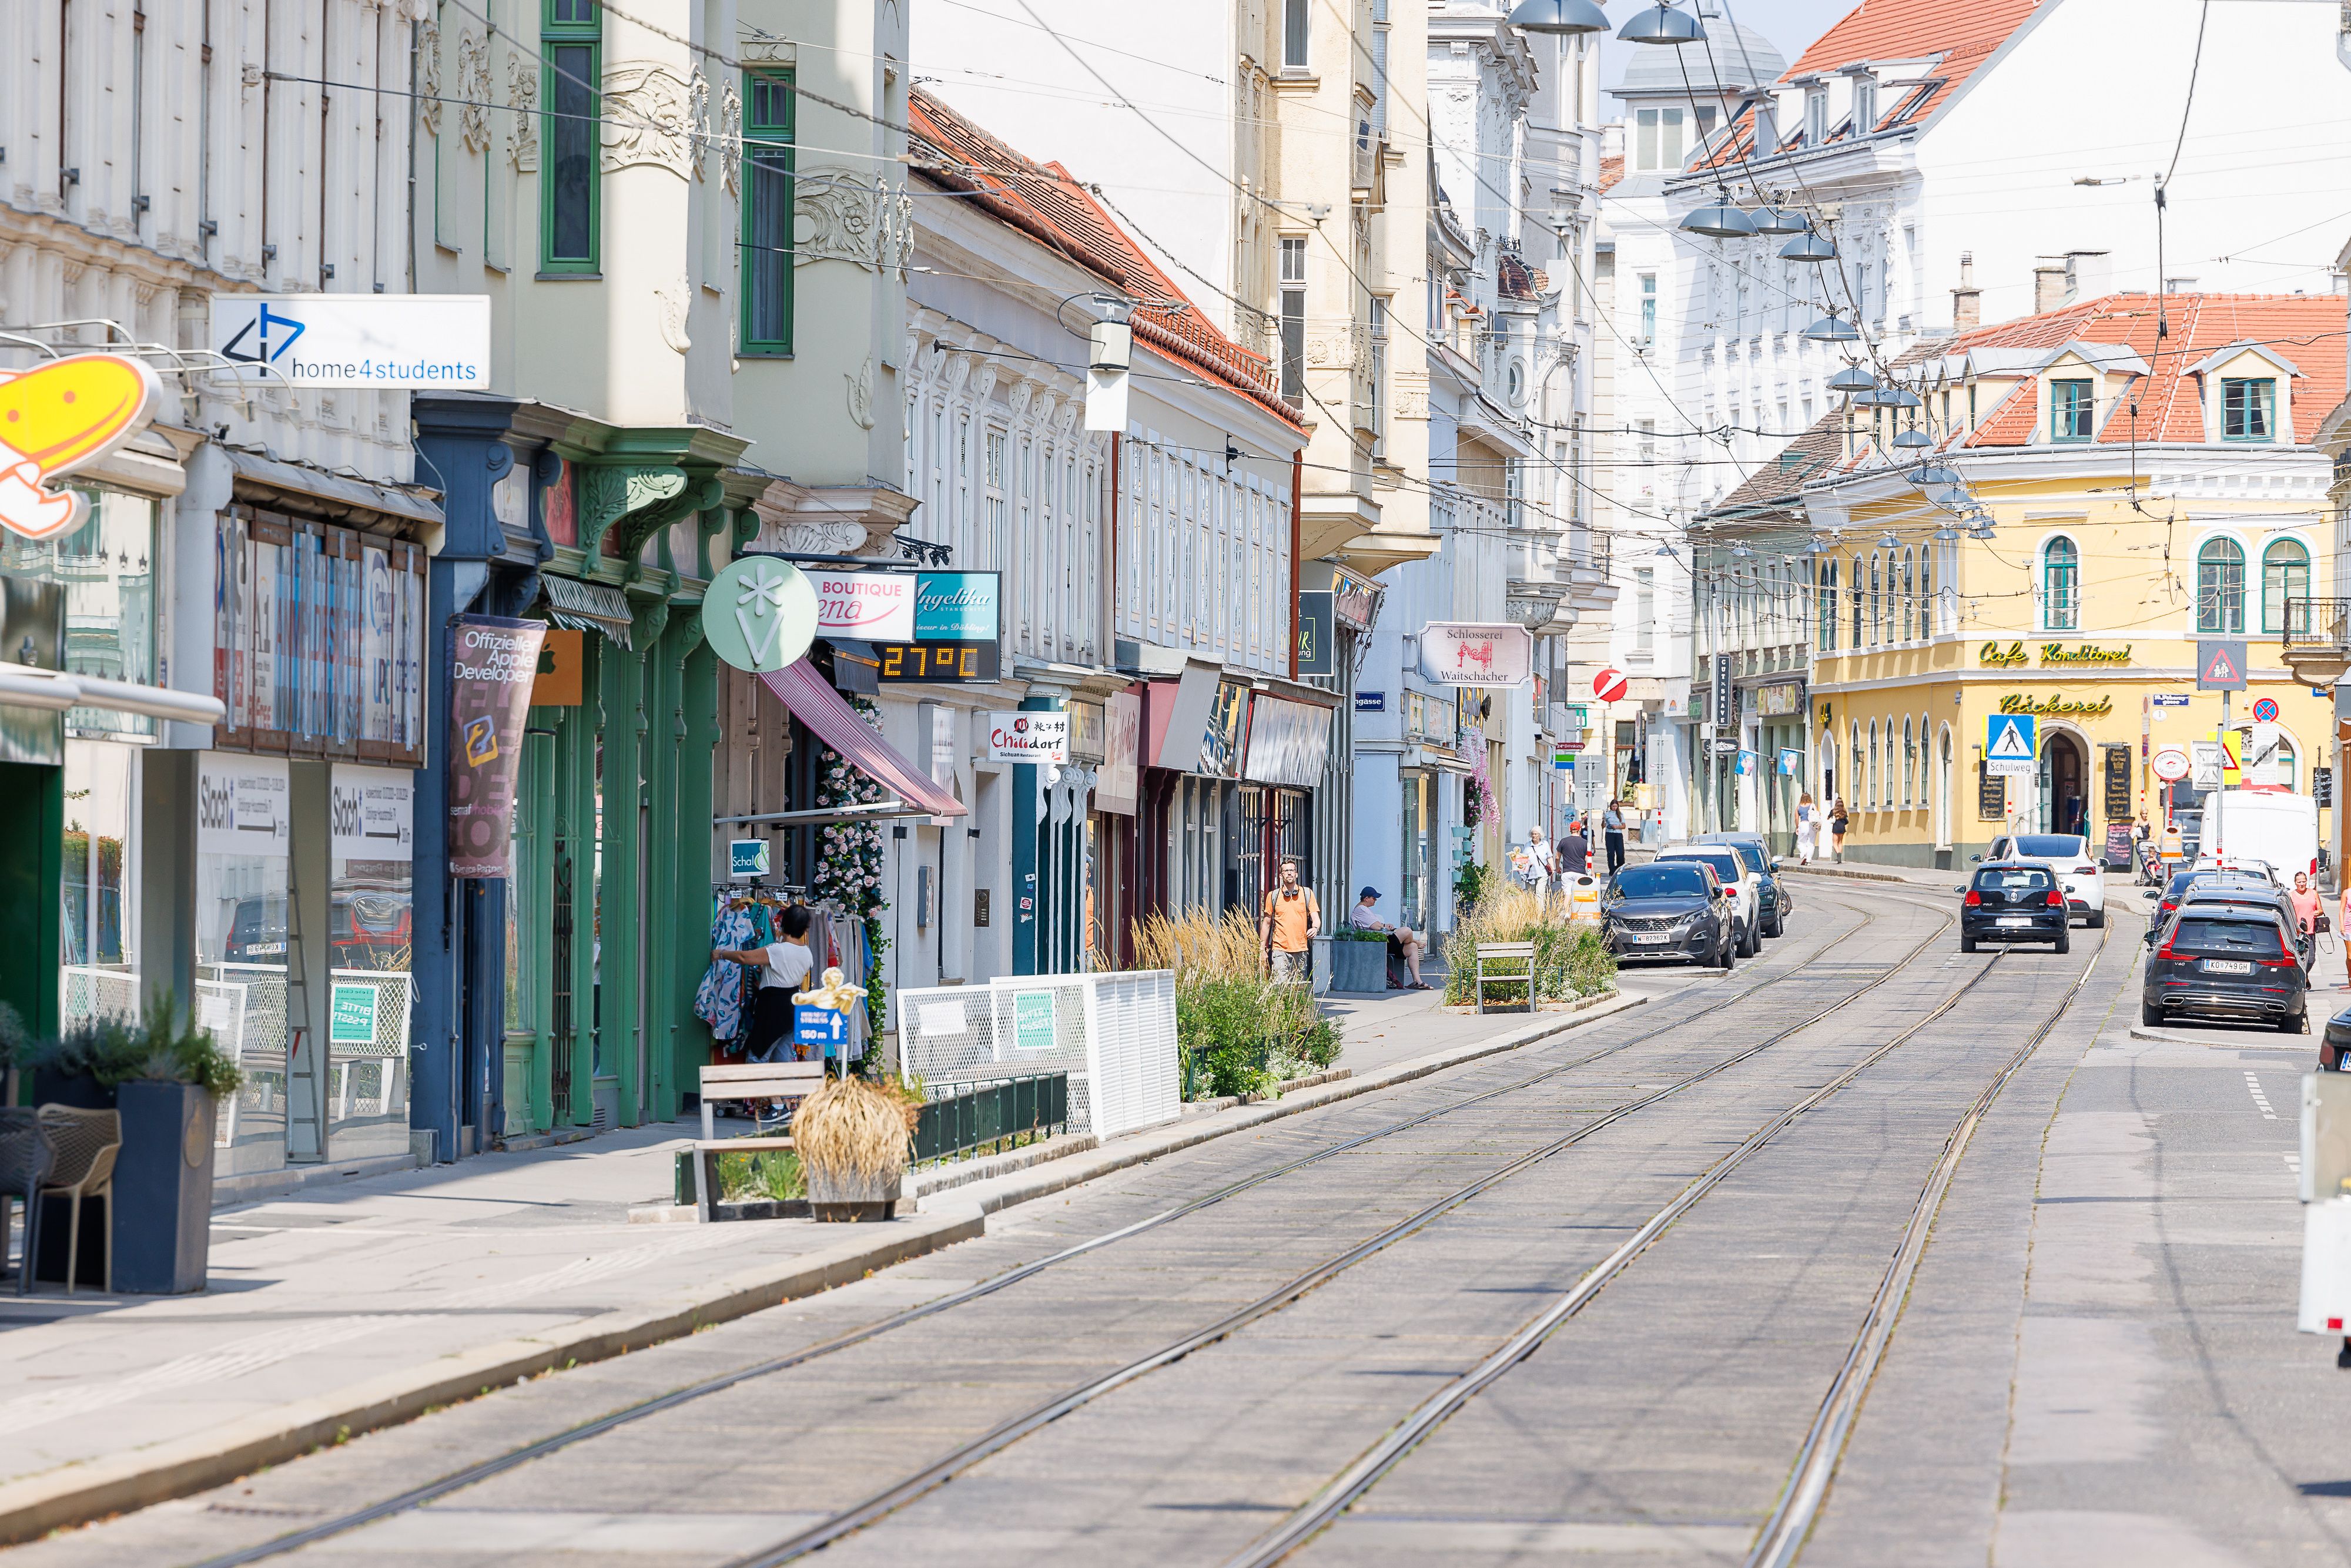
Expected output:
(587, 606)
(816, 705)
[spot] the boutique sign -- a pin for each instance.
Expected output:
(907, 606)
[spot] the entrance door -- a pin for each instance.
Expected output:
(2064, 785)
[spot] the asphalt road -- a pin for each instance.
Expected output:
(2093, 1361)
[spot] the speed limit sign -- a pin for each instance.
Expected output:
(2171, 764)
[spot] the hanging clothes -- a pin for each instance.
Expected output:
(718, 1001)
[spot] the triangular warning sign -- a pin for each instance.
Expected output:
(2222, 668)
(2010, 741)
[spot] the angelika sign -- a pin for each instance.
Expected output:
(384, 341)
(907, 606)
(1476, 654)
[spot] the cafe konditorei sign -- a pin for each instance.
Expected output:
(1991, 656)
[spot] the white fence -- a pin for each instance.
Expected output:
(1113, 1034)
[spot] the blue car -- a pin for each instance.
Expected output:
(1775, 900)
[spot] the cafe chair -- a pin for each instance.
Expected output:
(23, 1167)
(83, 1146)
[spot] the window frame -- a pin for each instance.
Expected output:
(2273, 604)
(563, 33)
(754, 347)
(1296, 35)
(2061, 612)
(2079, 407)
(2221, 622)
(2232, 387)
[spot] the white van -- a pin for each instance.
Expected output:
(2266, 822)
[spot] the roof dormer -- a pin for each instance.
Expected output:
(2248, 394)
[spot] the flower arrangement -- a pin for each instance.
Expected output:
(1481, 787)
(848, 868)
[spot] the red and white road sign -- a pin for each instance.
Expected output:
(1609, 684)
(2171, 764)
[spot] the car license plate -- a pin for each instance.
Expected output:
(2227, 966)
(1651, 939)
(2016, 920)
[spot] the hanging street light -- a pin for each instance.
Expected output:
(1559, 18)
(1806, 246)
(1933, 474)
(1852, 379)
(1888, 541)
(1944, 535)
(1661, 24)
(1780, 221)
(1832, 329)
(1912, 436)
(1721, 221)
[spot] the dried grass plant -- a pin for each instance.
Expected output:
(1199, 945)
(854, 1133)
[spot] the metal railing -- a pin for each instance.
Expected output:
(992, 1116)
(2318, 622)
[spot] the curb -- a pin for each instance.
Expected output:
(77, 1493)
(2250, 1039)
(1838, 870)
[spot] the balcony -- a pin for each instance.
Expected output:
(2316, 643)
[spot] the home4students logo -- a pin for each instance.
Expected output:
(264, 339)
(57, 417)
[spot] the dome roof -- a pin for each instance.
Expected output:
(1744, 57)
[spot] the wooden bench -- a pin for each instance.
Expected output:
(1521, 953)
(751, 1081)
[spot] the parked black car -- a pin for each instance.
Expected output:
(1775, 902)
(2173, 891)
(1671, 909)
(2243, 890)
(2227, 961)
(2335, 1045)
(2014, 900)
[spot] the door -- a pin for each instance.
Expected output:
(2064, 785)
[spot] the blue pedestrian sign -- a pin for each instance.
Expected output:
(2009, 744)
(820, 1026)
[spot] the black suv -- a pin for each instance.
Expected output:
(2014, 900)
(1773, 904)
(1671, 909)
(2227, 961)
(2242, 889)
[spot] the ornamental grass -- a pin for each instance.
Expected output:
(854, 1134)
(1571, 959)
(1240, 1031)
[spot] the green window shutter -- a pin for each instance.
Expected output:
(767, 200)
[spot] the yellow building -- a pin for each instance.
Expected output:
(2144, 493)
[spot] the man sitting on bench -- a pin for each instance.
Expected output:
(1403, 942)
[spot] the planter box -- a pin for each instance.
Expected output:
(162, 1189)
(848, 1201)
(1357, 966)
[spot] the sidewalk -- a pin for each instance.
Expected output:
(356, 1306)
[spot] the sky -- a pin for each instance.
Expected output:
(1792, 25)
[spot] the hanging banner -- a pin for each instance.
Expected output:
(1115, 785)
(492, 665)
(1287, 742)
(1476, 654)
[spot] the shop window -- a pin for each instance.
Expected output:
(99, 922)
(2061, 585)
(768, 212)
(107, 568)
(370, 933)
(244, 827)
(2221, 588)
(2286, 577)
(570, 182)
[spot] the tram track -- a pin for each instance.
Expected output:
(1782, 1535)
(484, 1470)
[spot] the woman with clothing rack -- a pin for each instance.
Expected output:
(785, 966)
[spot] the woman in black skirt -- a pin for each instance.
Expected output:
(784, 967)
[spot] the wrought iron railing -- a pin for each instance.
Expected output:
(2325, 623)
(992, 1116)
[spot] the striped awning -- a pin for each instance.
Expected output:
(587, 606)
(814, 702)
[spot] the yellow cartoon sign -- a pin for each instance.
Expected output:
(59, 417)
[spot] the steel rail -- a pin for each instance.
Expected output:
(1312, 1517)
(1008, 1432)
(472, 1475)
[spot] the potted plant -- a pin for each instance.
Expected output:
(853, 1137)
(1359, 960)
(166, 1075)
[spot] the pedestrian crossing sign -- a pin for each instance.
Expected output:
(2009, 738)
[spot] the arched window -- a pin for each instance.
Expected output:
(1931, 621)
(1909, 762)
(2061, 585)
(1877, 768)
(1855, 591)
(1877, 600)
(1909, 605)
(2286, 577)
(1860, 769)
(2221, 587)
(1825, 602)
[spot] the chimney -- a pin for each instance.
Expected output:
(1967, 300)
(2088, 273)
(1767, 124)
(2048, 288)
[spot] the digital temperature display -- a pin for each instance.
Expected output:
(937, 661)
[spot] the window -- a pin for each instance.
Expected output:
(1644, 609)
(1929, 621)
(1297, 20)
(1909, 604)
(1293, 319)
(767, 215)
(1648, 307)
(2286, 577)
(2221, 588)
(993, 492)
(2248, 410)
(1854, 587)
(1648, 428)
(1657, 138)
(1877, 770)
(569, 194)
(2061, 586)
(1877, 600)
(1379, 388)
(1862, 306)
(1826, 599)
(1816, 116)
(2070, 408)
(1909, 759)
(1865, 104)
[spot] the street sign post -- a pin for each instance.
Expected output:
(2171, 764)
(2221, 665)
(2010, 743)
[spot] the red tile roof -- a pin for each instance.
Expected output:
(1959, 36)
(2306, 330)
(1047, 203)
(1610, 171)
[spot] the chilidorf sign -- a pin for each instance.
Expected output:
(493, 664)
(1028, 737)
(1476, 654)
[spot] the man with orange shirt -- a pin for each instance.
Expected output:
(1289, 925)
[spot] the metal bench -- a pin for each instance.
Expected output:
(1493, 953)
(751, 1081)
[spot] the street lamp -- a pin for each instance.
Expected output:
(1661, 24)
(1832, 329)
(1782, 221)
(1561, 18)
(1852, 379)
(1719, 220)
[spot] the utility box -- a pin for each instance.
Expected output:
(2326, 1189)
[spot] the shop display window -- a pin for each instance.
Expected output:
(98, 969)
(243, 947)
(371, 989)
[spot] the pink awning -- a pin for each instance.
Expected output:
(815, 704)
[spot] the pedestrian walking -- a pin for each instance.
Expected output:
(1544, 858)
(1612, 831)
(1403, 942)
(1288, 926)
(1808, 829)
(2305, 902)
(1839, 820)
(1575, 850)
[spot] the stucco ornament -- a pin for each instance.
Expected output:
(672, 296)
(697, 101)
(522, 93)
(648, 118)
(841, 215)
(428, 80)
(728, 149)
(473, 86)
(861, 393)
